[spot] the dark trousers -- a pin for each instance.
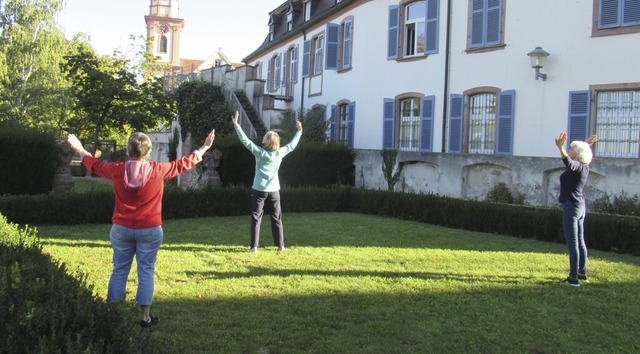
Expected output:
(271, 202)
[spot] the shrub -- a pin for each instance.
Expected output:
(500, 193)
(29, 159)
(45, 310)
(621, 205)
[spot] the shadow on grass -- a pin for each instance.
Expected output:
(549, 318)
(253, 272)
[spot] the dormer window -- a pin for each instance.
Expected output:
(307, 10)
(289, 21)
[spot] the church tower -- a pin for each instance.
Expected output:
(164, 27)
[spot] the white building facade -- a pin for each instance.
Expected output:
(450, 85)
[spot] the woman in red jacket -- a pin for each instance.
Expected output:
(137, 217)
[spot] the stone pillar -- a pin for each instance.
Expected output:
(211, 161)
(62, 181)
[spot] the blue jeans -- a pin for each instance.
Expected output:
(127, 243)
(573, 220)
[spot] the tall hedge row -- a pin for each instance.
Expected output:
(310, 164)
(28, 160)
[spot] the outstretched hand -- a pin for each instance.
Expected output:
(561, 140)
(208, 141)
(592, 139)
(298, 125)
(76, 145)
(234, 118)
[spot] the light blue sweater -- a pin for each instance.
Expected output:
(267, 162)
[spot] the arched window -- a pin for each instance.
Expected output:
(164, 43)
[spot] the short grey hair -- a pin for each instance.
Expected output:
(139, 147)
(582, 151)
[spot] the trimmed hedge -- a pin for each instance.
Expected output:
(29, 159)
(310, 164)
(45, 310)
(605, 232)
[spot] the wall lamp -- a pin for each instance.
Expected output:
(538, 58)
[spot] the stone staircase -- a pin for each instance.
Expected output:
(256, 121)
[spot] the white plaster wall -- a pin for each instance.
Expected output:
(577, 60)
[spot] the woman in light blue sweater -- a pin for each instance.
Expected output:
(266, 184)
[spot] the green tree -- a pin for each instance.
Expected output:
(32, 87)
(388, 165)
(201, 107)
(114, 95)
(313, 124)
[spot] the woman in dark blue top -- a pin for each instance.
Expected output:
(572, 182)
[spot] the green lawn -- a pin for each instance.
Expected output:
(350, 283)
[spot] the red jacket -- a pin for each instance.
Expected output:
(139, 187)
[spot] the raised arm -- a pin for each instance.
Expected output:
(561, 141)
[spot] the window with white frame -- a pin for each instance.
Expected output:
(414, 28)
(408, 122)
(617, 123)
(346, 43)
(612, 17)
(482, 123)
(318, 58)
(486, 23)
(306, 5)
(341, 124)
(409, 133)
(289, 21)
(273, 73)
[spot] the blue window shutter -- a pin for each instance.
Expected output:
(477, 24)
(455, 122)
(347, 44)
(493, 22)
(294, 64)
(631, 13)
(579, 105)
(432, 19)
(392, 41)
(331, 59)
(609, 13)
(306, 59)
(426, 128)
(332, 123)
(389, 113)
(351, 121)
(506, 115)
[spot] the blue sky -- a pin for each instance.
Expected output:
(238, 26)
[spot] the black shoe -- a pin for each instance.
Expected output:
(583, 277)
(152, 322)
(572, 281)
